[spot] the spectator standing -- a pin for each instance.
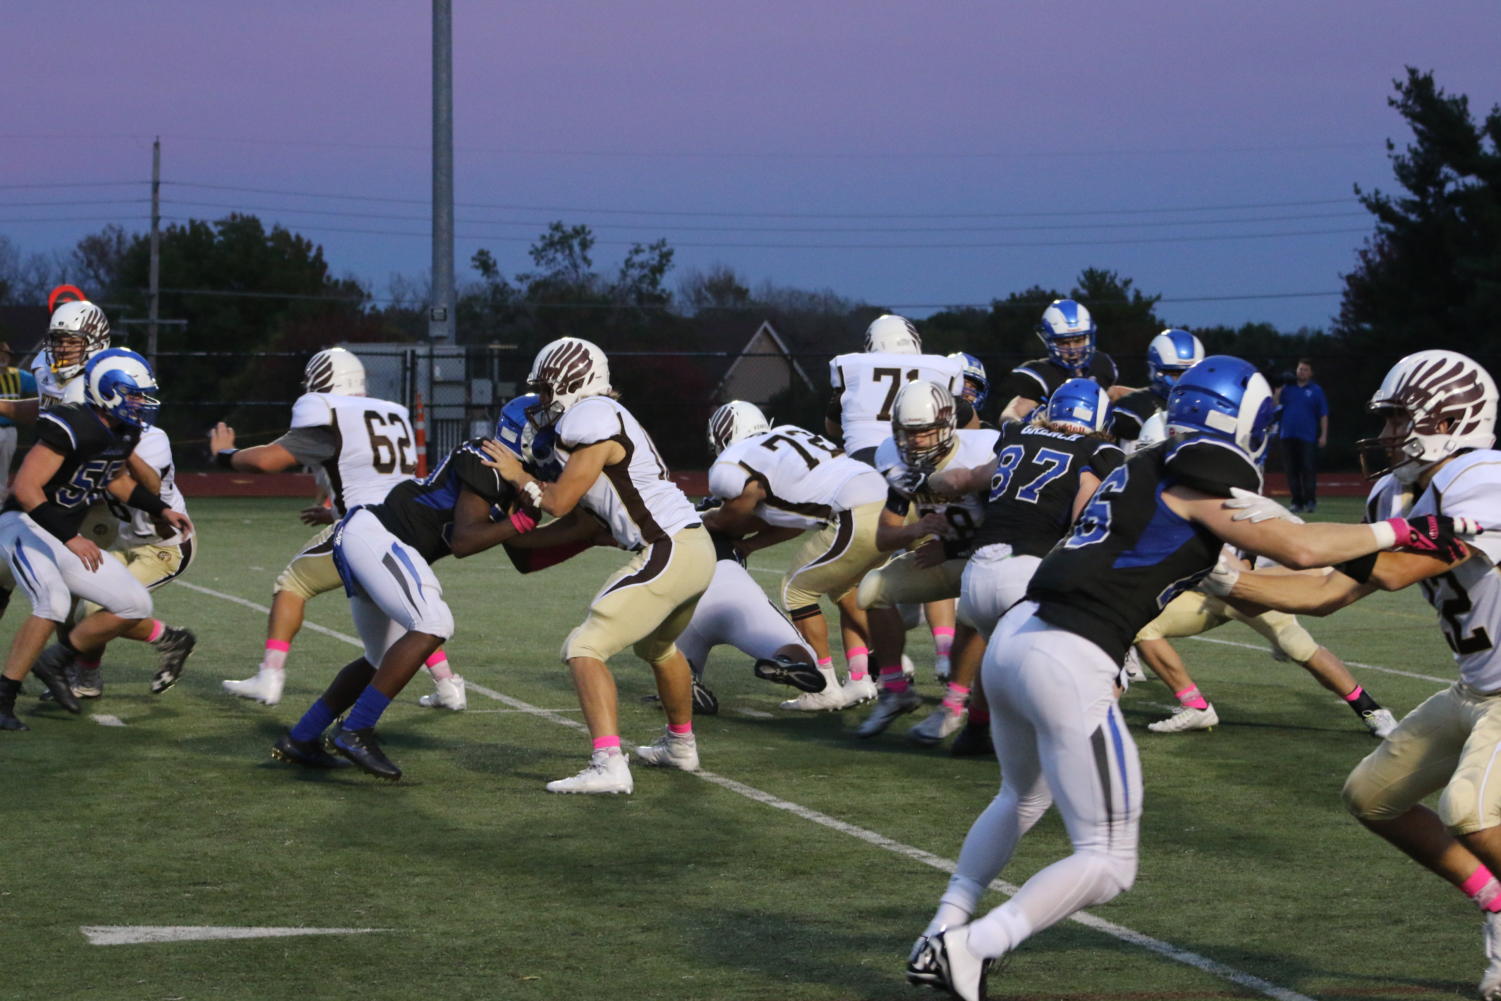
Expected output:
(15, 384)
(1305, 430)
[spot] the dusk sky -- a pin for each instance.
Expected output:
(910, 155)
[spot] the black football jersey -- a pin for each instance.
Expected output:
(420, 512)
(1036, 479)
(93, 455)
(1038, 378)
(1129, 554)
(1132, 411)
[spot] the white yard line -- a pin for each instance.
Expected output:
(147, 934)
(1124, 934)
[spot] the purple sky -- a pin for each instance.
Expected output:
(912, 155)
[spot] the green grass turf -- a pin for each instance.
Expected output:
(486, 886)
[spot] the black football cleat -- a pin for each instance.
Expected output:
(973, 742)
(8, 719)
(174, 645)
(704, 701)
(800, 674)
(307, 753)
(51, 670)
(360, 747)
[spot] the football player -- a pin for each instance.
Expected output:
(866, 383)
(1435, 456)
(779, 483)
(1039, 479)
(1169, 355)
(364, 447)
(384, 554)
(77, 331)
(1153, 527)
(1068, 332)
(923, 441)
(82, 450)
(611, 468)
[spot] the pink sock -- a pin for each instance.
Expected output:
(956, 698)
(610, 744)
(892, 679)
(1484, 889)
(157, 628)
(943, 640)
(437, 666)
(858, 659)
(1357, 693)
(680, 729)
(1191, 699)
(275, 657)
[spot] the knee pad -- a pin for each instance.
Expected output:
(1362, 800)
(805, 612)
(1295, 641)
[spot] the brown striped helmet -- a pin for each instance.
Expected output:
(733, 422)
(922, 422)
(564, 372)
(1435, 404)
(77, 331)
(334, 370)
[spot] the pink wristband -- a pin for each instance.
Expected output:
(523, 522)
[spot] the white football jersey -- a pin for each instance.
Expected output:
(49, 389)
(376, 447)
(867, 384)
(635, 496)
(1468, 598)
(974, 448)
(156, 449)
(806, 477)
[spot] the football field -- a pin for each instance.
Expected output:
(156, 852)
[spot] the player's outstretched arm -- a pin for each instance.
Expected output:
(584, 466)
(1019, 409)
(272, 458)
(957, 482)
(736, 517)
(893, 532)
(477, 526)
(21, 411)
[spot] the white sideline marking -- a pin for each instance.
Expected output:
(1121, 932)
(1351, 663)
(106, 719)
(145, 934)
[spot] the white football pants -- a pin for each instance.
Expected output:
(51, 575)
(392, 589)
(734, 610)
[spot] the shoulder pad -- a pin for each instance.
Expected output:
(1211, 466)
(588, 421)
(312, 410)
(887, 457)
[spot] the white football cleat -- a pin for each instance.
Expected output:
(1132, 667)
(449, 694)
(264, 687)
(909, 669)
(859, 692)
(937, 728)
(942, 668)
(830, 700)
(1186, 719)
(1380, 722)
(943, 960)
(1490, 984)
(605, 773)
(889, 706)
(671, 751)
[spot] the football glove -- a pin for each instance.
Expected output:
(1221, 580)
(1434, 535)
(1256, 508)
(908, 481)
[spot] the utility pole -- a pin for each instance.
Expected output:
(156, 250)
(440, 321)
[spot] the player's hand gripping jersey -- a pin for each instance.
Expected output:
(964, 514)
(365, 446)
(806, 477)
(1036, 479)
(1468, 598)
(1129, 554)
(634, 497)
(867, 384)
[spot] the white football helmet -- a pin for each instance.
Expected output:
(564, 372)
(121, 383)
(922, 422)
(733, 422)
(334, 370)
(1435, 404)
(893, 334)
(77, 320)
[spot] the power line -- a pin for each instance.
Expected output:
(74, 201)
(70, 184)
(511, 206)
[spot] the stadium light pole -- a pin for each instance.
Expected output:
(440, 321)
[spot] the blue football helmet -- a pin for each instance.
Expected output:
(976, 385)
(1225, 398)
(1080, 402)
(121, 383)
(1063, 324)
(1170, 354)
(522, 438)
